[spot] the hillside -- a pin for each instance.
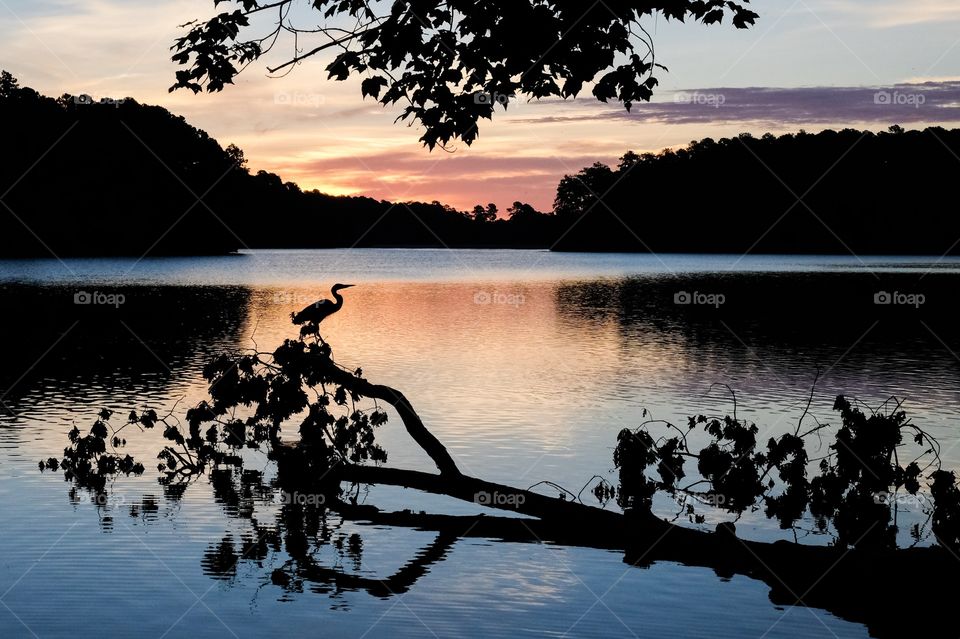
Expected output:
(832, 193)
(116, 177)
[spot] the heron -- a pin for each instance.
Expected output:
(321, 309)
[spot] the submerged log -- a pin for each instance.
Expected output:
(481, 492)
(856, 584)
(893, 593)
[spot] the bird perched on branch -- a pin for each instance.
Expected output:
(312, 315)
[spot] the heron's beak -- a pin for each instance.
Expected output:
(346, 285)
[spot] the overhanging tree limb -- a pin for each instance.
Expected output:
(453, 61)
(414, 425)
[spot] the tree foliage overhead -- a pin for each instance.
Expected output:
(451, 63)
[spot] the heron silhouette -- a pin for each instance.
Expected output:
(320, 310)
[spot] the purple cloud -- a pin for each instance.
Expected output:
(928, 102)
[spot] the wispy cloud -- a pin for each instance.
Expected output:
(323, 135)
(464, 180)
(778, 108)
(888, 14)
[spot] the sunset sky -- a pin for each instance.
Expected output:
(808, 64)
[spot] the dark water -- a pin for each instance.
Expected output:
(525, 364)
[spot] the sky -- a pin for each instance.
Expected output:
(809, 64)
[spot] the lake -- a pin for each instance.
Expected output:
(525, 364)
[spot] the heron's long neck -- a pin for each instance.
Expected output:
(338, 298)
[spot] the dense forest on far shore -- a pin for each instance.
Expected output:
(834, 192)
(116, 177)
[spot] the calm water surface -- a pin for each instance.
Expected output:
(526, 364)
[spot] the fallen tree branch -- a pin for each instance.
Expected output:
(483, 493)
(852, 584)
(414, 425)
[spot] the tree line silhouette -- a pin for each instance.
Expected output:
(116, 177)
(835, 192)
